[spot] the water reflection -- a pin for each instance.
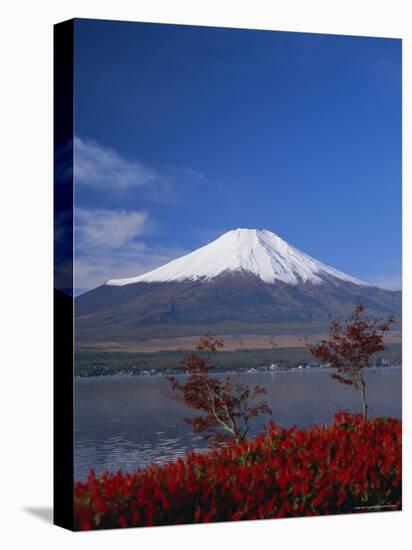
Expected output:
(126, 422)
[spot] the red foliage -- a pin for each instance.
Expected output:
(227, 405)
(350, 347)
(347, 467)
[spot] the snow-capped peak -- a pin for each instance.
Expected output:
(259, 252)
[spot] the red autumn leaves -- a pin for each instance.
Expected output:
(346, 467)
(227, 407)
(350, 347)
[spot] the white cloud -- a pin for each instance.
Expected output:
(108, 228)
(389, 282)
(93, 270)
(103, 167)
(109, 245)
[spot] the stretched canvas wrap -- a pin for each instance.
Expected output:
(227, 274)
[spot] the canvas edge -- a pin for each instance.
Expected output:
(63, 423)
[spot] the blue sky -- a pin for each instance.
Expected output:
(183, 133)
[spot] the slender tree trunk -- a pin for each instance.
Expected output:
(364, 402)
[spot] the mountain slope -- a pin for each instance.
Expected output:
(245, 282)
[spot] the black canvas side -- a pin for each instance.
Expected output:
(63, 274)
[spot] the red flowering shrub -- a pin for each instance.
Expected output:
(348, 466)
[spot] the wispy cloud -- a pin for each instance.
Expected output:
(104, 167)
(389, 282)
(110, 245)
(93, 270)
(111, 236)
(108, 228)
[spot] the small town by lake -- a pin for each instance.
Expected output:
(125, 422)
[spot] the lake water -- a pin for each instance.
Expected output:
(126, 422)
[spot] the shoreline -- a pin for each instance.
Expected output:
(288, 370)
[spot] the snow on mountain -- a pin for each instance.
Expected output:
(259, 252)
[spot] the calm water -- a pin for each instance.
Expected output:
(125, 422)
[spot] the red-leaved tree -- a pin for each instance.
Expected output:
(227, 405)
(350, 347)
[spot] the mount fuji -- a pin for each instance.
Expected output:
(260, 253)
(246, 282)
